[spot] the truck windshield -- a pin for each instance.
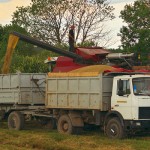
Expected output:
(141, 86)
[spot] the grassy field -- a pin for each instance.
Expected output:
(34, 137)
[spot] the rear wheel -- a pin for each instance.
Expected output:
(64, 125)
(114, 129)
(16, 121)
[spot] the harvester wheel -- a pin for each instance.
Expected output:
(64, 125)
(114, 129)
(15, 120)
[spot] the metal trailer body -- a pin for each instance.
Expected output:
(81, 93)
(21, 90)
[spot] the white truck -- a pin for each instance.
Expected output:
(117, 102)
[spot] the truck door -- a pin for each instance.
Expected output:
(121, 98)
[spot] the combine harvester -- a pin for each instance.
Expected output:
(119, 102)
(68, 61)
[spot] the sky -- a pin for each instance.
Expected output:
(7, 7)
(117, 23)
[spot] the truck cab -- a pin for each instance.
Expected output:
(131, 102)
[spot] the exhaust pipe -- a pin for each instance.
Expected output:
(119, 55)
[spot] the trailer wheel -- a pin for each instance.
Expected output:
(64, 125)
(15, 121)
(114, 129)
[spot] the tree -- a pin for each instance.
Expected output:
(4, 34)
(30, 64)
(135, 36)
(87, 44)
(49, 20)
(1, 32)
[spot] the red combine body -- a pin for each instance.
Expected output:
(92, 54)
(65, 64)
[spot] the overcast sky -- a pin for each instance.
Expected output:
(117, 23)
(7, 7)
(120, 1)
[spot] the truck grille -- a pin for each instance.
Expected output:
(144, 112)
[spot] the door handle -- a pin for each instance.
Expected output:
(117, 105)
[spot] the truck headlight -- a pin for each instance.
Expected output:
(138, 123)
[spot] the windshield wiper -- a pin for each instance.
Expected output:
(142, 94)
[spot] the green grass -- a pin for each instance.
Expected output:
(34, 137)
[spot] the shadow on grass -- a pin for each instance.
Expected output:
(88, 130)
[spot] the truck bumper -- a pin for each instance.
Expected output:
(137, 125)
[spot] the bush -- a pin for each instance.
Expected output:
(29, 64)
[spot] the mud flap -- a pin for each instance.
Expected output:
(76, 119)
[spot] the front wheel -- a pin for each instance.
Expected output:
(114, 129)
(16, 120)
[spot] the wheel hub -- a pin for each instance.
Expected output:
(66, 126)
(113, 130)
(14, 122)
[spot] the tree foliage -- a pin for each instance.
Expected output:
(30, 64)
(49, 20)
(4, 35)
(135, 36)
(89, 43)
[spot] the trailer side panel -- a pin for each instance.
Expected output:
(78, 92)
(22, 88)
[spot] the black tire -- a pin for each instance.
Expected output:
(15, 121)
(114, 129)
(49, 123)
(64, 125)
(77, 130)
(2, 114)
